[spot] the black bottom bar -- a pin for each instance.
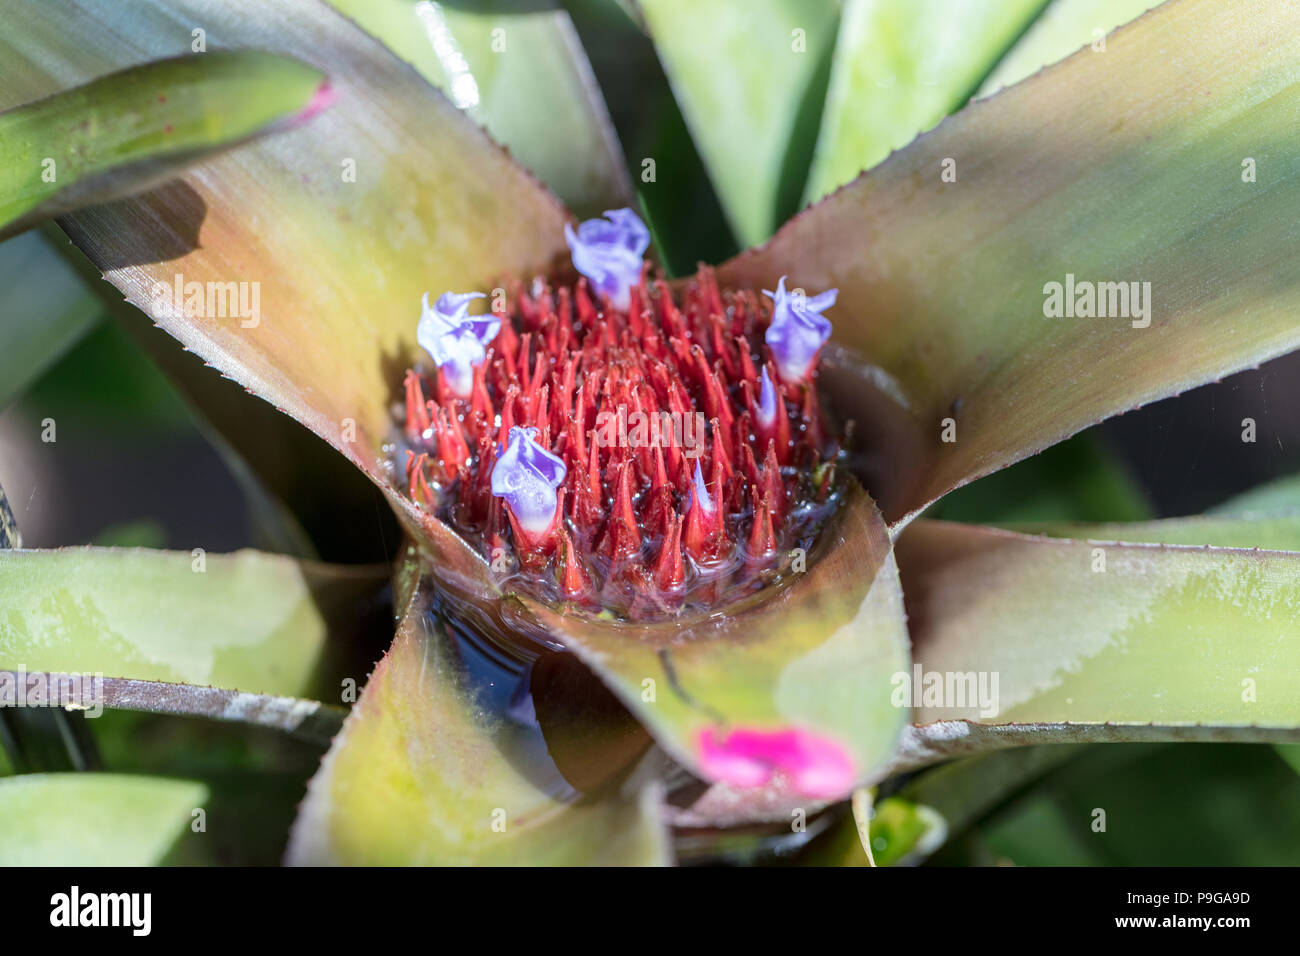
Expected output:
(309, 906)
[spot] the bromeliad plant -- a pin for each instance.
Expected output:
(753, 584)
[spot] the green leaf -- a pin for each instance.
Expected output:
(116, 397)
(900, 66)
(246, 621)
(159, 744)
(817, 652)
(1167, 642)
(950, 798)
(1266, 517)
(901, 831)
(1280, 498)
(133, 129)
(257, 778)
(110, 819)
(1291, 754)
(1164, 806)
(46, 310)
(750, 80)
(1038, 829)
(1064, 27)
(419, 776)
(94, 819)
(524, 76)
(47, 738)
(106, 386)
(686, 221)
(1280, 532)
(339, 266)
(1083, 170)
(933, 807)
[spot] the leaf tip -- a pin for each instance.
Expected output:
(326, 95)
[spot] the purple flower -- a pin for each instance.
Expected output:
(767, 403)
(526, 476)
(608, 252)
(798, 330)
(702, 490)
(454, 339)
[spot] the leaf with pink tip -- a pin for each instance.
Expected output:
(784, 698)
(1118, 167)
(1098, 641)
(134, 128)
(339, 226)
(418, 775)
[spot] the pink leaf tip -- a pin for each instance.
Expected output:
(324, 97)
(748, 757)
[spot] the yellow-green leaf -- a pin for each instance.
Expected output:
(940, 804)
(1276, 532)
(94, 819)
(1141, 641)
(816, 653)
(524, 76)
(246, 621)
(900, 66)
(1280, 497)
(418, 776)
(746, 77)
(1064, 27)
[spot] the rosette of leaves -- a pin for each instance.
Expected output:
(594, 738)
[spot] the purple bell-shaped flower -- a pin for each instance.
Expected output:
(798, 330)
(526, 476)
(454, 339)
(609, 253)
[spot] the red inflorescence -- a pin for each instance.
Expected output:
(675, 487)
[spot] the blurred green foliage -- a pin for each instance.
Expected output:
(1166, 804)
(1078, 480)
(105, 383)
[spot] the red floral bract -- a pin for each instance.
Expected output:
(679, 488)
